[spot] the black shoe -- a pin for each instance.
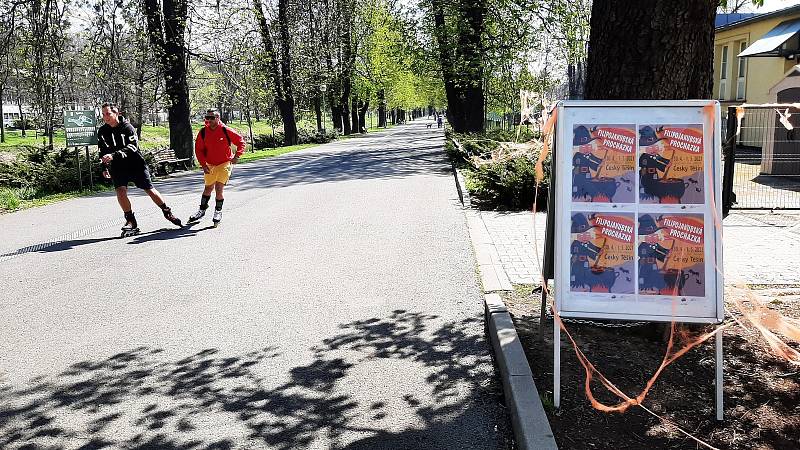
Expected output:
(168, 215)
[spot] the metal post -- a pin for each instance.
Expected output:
(719, 361)
(78, 160)
(728, 168)
(542, 310)
(89, 168)
(556, 363)
(548, 263)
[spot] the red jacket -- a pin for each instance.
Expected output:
(214, 148)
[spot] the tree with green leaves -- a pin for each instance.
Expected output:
(458, 28)
(43, 40)
(280, 69)
(166, 26)
(8, 52)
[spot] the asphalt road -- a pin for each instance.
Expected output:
(336, 307)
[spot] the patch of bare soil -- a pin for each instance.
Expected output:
(762, 392)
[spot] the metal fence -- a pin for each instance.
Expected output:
(762, 163)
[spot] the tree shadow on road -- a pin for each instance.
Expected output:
(140, 399)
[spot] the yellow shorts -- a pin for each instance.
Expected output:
(220, 173)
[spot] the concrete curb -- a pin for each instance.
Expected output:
(528, 419)
(461, 186)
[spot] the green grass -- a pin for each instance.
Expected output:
(157, 136)
(269, 153)
(547, 402)
(14, 139)
(9, 200)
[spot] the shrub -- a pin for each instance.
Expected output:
(13, 174)
(522, 134)
(27, 123)
(304, 136)
(509, 184)
(8, 199)
(500, 174)
(46, 171)
(264, 141)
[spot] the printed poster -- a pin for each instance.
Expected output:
(671, 255)
(671, 166)
(603, 163)
(601, 253)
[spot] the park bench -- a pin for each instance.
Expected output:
(163, 161)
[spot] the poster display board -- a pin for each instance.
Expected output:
(637, 198)
(79, 127)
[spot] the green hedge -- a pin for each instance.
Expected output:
(304, 136)
(505, 182)
(40, 171)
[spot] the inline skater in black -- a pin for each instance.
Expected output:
(119, 152)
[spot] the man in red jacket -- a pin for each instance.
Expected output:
(213, 150)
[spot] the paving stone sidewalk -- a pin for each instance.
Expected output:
(760, 247)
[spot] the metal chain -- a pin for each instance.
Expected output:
(599, 324)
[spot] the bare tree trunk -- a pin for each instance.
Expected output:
(336, 116)
(166, 30)
(576, 77)
(22, 119)
(462, 64)
(632, 62)
(354, 114)
(381, 108)
(318, 111)
(282, 77)
(139, 89)
(348, 63)
(2, 122)
(345, 117)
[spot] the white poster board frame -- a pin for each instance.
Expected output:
(631, 303)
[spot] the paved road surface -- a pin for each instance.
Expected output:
(336, 307)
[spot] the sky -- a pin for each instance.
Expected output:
(769, 5)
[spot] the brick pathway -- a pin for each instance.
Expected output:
(513, 237)
(760, 248)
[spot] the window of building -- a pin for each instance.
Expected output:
(741, 73)
(723, 73)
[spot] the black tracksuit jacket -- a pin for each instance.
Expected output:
(121, 141)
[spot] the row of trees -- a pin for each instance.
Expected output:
(334, 58)
(339, 58)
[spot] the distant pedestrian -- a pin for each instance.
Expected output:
(213, 150)
(119, 153)
(439, 121)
